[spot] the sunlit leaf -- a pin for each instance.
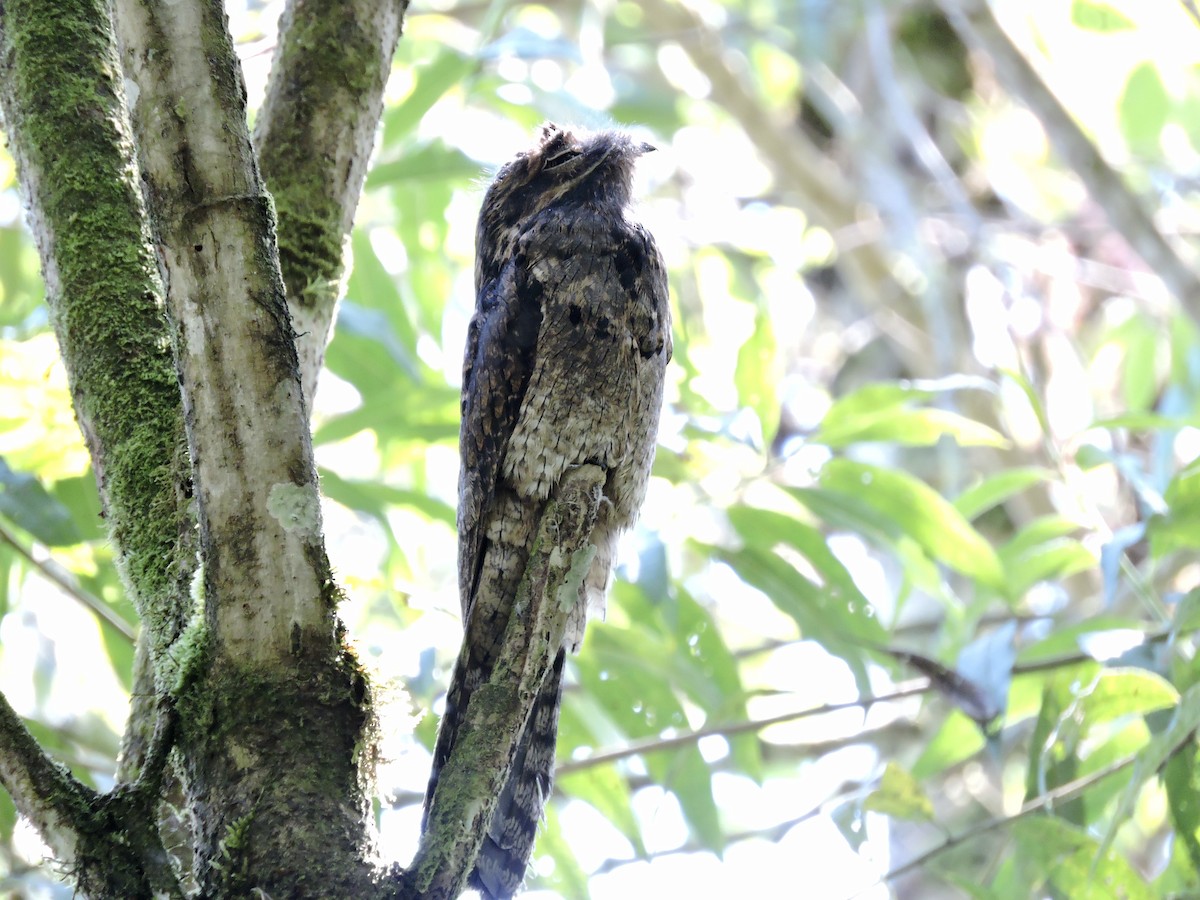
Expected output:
(768, 529)
(956, 740)
(1042, 551)
(903, 425)
(433, 80)
(1119, 692)
(1054, 744)
(757, 375)
(922, 513)
(899, 796)
(374, 498)
(995, 489)
(1187, 613)
(1181, 778)
(608, 793)
(433, 161)
(1177, 734)
(1060, 854)
(1143, 112)
(568, 879)
(1093, 16)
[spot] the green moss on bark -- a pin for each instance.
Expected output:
(63, 104)
(329, 65)
(277, 759)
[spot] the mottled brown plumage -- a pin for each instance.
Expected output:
(564, 366)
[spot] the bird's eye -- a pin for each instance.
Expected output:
(561, 158)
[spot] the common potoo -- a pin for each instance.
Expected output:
(564, 366)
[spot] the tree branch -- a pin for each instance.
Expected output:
(472, 779)
(256, 485)
(975, 23)
(44, 792)
(825, 194)
(109, 842)
(60, 87)
(65, 581)
(314, 136)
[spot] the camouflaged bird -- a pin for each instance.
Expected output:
(564, 366)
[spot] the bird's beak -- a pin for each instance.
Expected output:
(647, 148)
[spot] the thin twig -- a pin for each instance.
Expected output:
(772, 833)
(61, 578)
(910, 688)
(1063, 792)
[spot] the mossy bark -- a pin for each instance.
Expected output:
(62, 88)
(314, 136)
(274, 720)
(62, 77)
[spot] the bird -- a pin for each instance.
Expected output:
(564, 366)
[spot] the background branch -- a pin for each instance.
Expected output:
(975, 23)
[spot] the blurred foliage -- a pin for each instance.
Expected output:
(914, 597)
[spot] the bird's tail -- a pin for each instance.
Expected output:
(504, 854)
(500, 867)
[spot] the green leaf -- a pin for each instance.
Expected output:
(1178, 732)
(119, 650)
(957, 740)
(1066, 640)
(688, 777)
(1120, 692)
(757, 375)
(1092, 16)
(1053, 747)
(1143, 111)
(923, 514)
(1181, 778)
(1041, 551)
(433, 80)
(1147, 421)
(630, 673)
(431, 162)
(816, 612)
(27, 504)
(887, 412)
(568, 879)
(374, 498)
(8, 817)
(995, 489)
(911, 428)
(712, 663)
(1057, 853)
(1187, 613)
(899, 796)
(427, 414)
(1177, 528)
(767, 529)
(373, 287)
(605, 790)
(82, 500)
